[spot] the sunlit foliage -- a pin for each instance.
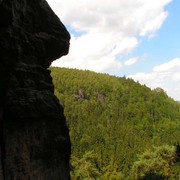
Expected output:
(115, 119)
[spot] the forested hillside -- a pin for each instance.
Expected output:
(119, 129)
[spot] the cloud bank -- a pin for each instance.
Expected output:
(166, 76)
(105, 32)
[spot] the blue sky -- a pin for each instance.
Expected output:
(163, 47)
(135, 38)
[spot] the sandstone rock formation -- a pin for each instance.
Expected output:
(34, 139)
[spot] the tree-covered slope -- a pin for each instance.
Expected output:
(112, 120)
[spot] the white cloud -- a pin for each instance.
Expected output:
(166, 76)
(171, 66)
(131, 61)
(110, 30)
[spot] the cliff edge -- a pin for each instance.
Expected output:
(34, 138)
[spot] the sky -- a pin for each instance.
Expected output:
(138, 39)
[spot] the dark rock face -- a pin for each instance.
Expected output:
(34, 139)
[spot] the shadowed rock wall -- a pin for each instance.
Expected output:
(34, 139)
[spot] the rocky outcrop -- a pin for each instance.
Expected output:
(34, 139)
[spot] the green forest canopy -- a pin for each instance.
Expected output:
(112, 120)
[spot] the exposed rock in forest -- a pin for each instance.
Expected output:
(34, 139)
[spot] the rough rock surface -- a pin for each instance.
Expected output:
(34, 138)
